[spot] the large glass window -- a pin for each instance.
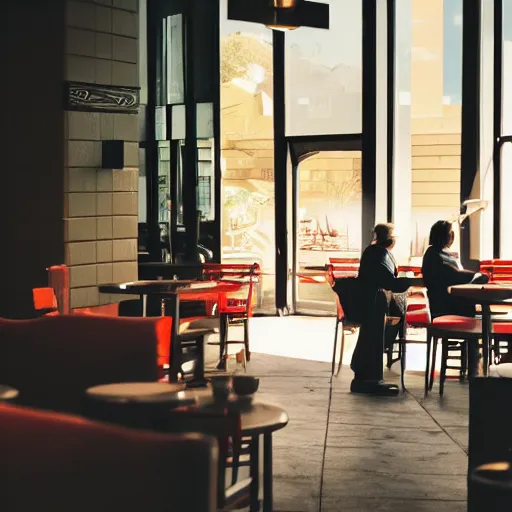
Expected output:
(436, 107)
(324, 74)
(247, 149)
(506, 153)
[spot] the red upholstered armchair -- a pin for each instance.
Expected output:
(59, 463)
(53, 360)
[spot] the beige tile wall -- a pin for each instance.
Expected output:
(101, 207)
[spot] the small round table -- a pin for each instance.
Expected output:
(8, 394)
(136, 404)
(491, 487)
(123, 403)
(486, 295)
(258, 419)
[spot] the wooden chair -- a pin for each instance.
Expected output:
(58, 462)
(233, 308)
(53, 360)
(225, 426)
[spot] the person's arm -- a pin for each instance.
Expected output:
(454, 276)
(385, 277)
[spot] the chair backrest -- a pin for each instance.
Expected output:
(343, 267)
(59, 462)
(235, 303)
(497, 270)
(44, 299)
(348, 292)
(224, 425)
(53, 360)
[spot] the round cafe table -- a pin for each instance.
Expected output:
(8, 394)
(486, 295)
(257, 419)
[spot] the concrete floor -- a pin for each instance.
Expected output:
(343, 452)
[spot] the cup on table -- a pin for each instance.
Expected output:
(222, 387)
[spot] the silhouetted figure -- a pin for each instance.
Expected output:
(441, 270)
(379, 296)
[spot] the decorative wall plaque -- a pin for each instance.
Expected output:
(101, 98)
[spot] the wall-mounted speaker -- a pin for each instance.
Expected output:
(112, 154)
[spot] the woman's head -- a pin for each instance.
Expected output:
(441, 234)
(384, 235)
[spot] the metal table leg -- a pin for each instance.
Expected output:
(173, 306)
(223, 332)
(255, 467)
(267, 473)
(486, 335)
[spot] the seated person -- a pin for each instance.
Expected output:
(378, 283)
(441, 270)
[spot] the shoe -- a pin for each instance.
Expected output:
(373, 387)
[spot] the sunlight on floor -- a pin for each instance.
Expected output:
(311, 338)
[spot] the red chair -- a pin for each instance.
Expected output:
(234, 308)
(344, 267)
(45, 301)
(58, 462)
(53, 360)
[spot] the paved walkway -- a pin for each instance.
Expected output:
(343, 452)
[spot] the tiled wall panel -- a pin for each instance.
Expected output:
(101, 205)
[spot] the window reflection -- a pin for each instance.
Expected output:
(247, 149)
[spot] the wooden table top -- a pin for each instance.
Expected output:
(257, 417)
(484, 293)
(156, 287)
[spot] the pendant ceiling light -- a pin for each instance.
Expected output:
(282, 4)
(280, 14)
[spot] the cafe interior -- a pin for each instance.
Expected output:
(183, 241)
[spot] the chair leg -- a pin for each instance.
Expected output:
(342, 348)
(427, 367)
(444, 361)
(435, 342)
(389, 357)
(246, 339)
(335, 346)
(463, 360)
(403, 351)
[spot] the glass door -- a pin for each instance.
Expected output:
(328, 213)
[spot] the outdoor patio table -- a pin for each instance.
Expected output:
(170, 291)
(8, 394)
(486, 295)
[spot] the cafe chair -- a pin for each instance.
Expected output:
(58, 462)
(235, 307)
(457, 333)
(45, 301)
(225, 426)
(53, 360)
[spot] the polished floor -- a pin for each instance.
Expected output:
(342, 452)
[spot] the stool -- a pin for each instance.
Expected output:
(456, 333)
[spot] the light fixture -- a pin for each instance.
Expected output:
(284, 4)
(468, 208)
(280, 15)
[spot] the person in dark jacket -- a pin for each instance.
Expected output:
(379, 289)
(441, 270)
